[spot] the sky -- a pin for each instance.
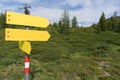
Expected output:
(86, 11)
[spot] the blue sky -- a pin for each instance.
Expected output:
(87, 11)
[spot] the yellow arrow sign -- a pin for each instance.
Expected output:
(27, 20)
(25, 46)
(25, 35)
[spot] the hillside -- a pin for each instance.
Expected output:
(82, 54)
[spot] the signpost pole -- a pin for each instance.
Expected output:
(27, 57)
(26, 63)
(27, 67)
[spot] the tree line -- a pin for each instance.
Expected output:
(110, 24)
(64, 23)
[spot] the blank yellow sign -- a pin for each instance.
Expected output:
(27, 20)
(23, 35)
(25, 46)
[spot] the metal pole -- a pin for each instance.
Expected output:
(27, 63)
(27, 57)
(27, 66)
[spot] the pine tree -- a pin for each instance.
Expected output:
(115, 14)
(102, 22)
(65, 21)
(74, 22)
(114, 21)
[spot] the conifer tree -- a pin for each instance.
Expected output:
(114, 21)
(65, 22)
(74, 22)
(102, 22)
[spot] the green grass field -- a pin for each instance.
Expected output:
(82, 54)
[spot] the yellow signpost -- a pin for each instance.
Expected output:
(25, 46)
(26, 20)
(24, 36)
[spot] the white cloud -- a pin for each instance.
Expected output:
(23, 1)
(15, 4)
(52, 14)
(90, 11)
(4, 8)
(74, 3)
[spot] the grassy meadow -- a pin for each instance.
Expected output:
(82, 54)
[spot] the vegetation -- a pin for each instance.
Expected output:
(65, 22)
(74, 21)
(81, 54)
(110, 24)
(102, 22)
(2, 20)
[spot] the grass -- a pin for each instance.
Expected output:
(73, 56)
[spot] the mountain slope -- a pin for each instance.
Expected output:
(82, 54)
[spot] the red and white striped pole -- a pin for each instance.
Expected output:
(27, 58)
(27, 67)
